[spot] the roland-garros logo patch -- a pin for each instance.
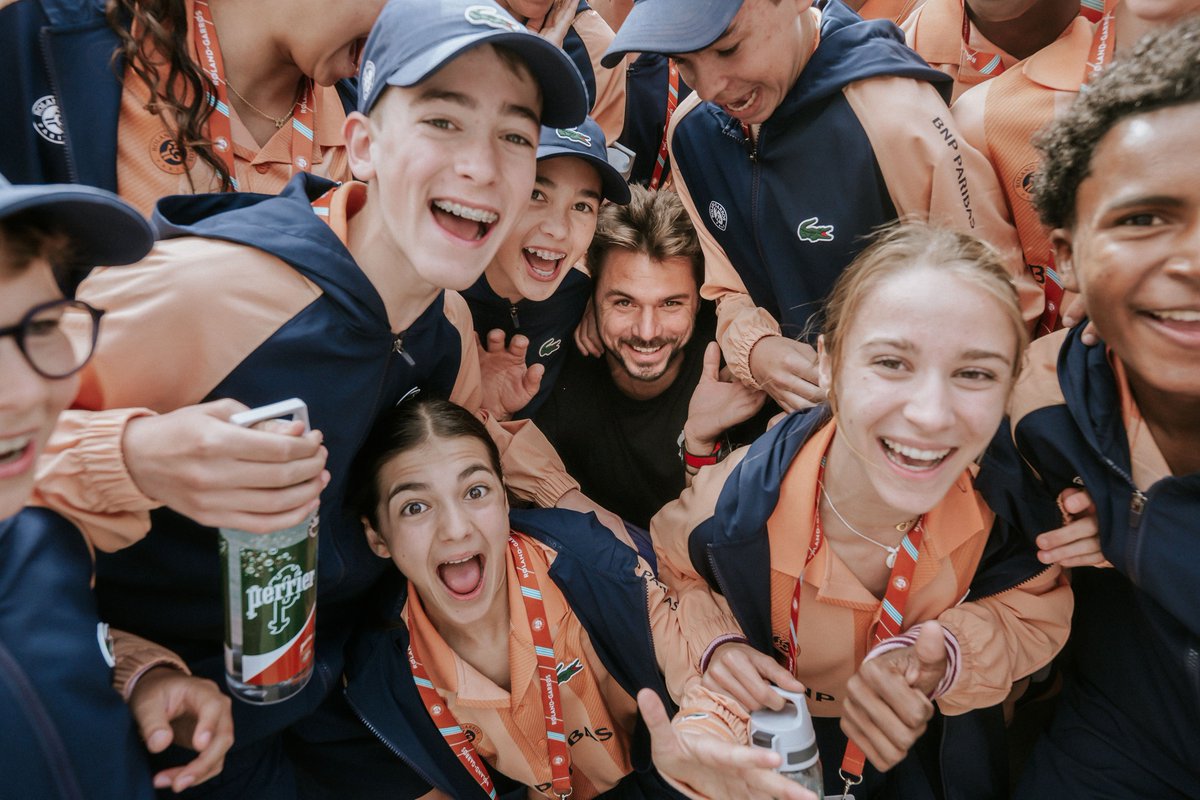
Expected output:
(486, 15)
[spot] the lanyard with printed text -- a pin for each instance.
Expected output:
(891, 612)
(990, 64)
(1100, 53)
(547, 678)
(672, 104)
(208, 55)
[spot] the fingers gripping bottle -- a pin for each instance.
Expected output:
(270, 595)
(790, 733)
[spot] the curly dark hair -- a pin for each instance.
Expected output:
(161, 59)
(1162, 70)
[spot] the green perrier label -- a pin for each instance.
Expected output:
(278, 592)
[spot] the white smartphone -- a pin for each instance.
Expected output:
(294, 408)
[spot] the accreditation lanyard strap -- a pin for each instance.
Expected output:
(547, 672)
(208, 55)
(672, 104)
(1100, 54)
(891, 612)
(990, 64)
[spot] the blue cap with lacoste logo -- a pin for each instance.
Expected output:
(412, 39)
(103, 229)
(671, 27)
(586, 141)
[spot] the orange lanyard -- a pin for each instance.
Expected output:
(1099, 56)
(990, 64)
(672, 104)
(1104, 41)
(208, 56)
(547, 669)
(891, 612)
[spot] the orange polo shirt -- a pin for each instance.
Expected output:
(935, 31)
(1000, 638)
(148, 163)
(509, 727)
(838, 613)
(1001, 117)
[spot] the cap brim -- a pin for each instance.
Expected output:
(564, 95)
(670, 27)
(103, 229)
(613, 185)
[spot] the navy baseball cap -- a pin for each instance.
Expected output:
(587, 142)
(412, 39)
(671, 27)
(103, 228)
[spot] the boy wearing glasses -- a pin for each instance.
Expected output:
(64, 732)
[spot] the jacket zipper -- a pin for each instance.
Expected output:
(72, 172)
(388, 744)
(753, 142)
(56, 754)
(1137, 505)
(967, 598)
(512, 312)
(398, 348)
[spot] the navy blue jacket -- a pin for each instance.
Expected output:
(596, 574)
(812, 159)
(731, 551)
(64, 732)
(340, 356)
(61, 93)
(646, 86)
(548, 324)
(1127, 724)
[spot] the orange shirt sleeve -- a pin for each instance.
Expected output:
(704, 615)
(143, 365)
(934, 174)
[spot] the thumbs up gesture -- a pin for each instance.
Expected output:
(887, 702)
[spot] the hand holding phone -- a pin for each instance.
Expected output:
(198, 461)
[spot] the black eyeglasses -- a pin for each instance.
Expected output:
(57, 338)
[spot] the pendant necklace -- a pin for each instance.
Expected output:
(891, 551)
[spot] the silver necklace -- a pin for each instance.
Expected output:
(891, 551)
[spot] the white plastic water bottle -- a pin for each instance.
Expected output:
(790, 733)
(270, 595)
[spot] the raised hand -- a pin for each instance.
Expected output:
(718, 403)
(507, 383)
(554, 26)
(705, 766)
(887, 701)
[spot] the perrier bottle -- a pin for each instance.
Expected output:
(270, 596)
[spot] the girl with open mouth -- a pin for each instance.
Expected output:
(518, 649)
(834, 554)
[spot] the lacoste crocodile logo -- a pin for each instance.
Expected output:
(549, 347)
(811, 231)
(485, 15)
(573, 135)
(568, 671)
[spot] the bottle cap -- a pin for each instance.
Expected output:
(788, 732)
